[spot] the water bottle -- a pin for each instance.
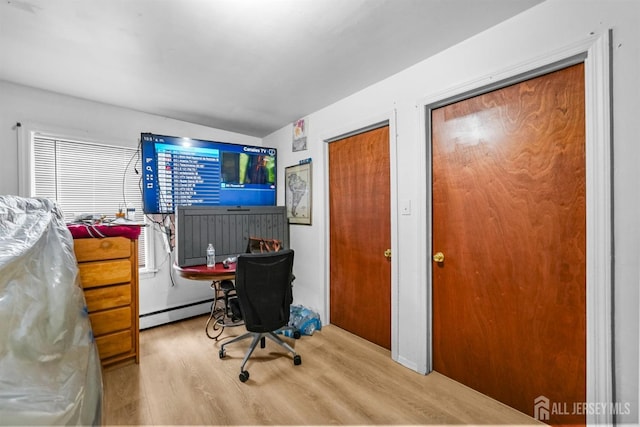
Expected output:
(211, 256)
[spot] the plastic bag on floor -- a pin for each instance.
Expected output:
(304, 320)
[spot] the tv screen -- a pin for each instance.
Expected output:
(192, 172)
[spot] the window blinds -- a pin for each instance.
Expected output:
(84, 177)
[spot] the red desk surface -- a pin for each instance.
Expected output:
(202, 272)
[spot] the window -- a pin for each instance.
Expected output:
(84, 177)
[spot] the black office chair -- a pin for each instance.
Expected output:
(263, 288)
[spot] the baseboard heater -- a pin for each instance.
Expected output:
(172, 314)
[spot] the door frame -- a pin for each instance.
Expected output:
(594, 51)
(351, 129)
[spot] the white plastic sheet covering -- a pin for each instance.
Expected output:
(49, 366)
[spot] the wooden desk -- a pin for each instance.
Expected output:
(202, 272)
(220, 316)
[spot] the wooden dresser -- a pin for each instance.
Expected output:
(109, 278)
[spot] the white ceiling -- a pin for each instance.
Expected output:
(248, 66)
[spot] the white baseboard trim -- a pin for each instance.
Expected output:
(409, 364)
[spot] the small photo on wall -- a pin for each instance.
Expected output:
(299, 135)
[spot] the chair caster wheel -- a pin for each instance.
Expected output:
(297, 360)
(221, 354)
(296, 334)
(263, 342)
(244, 376)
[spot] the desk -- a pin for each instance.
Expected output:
(220, 313)
(202, 272)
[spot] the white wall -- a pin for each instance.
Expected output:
(74, 117)
(547, 27)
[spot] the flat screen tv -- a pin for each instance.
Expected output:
(192, 172)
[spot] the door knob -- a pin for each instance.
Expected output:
(438, 257)
(387, 254)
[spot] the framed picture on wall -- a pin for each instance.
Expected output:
(297, 180)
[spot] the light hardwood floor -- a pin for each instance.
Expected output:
(342, 380)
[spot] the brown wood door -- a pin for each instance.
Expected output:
(509, 313)
(360, 232)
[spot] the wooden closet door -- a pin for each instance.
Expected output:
(360, 233)
(509, 217)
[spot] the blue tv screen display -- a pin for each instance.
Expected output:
(192, 172)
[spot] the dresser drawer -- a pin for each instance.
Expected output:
(114, 344)
(108, 297)
(100, 273)
(102, 249)
(104, 322)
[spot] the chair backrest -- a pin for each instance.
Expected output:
(263, 287)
